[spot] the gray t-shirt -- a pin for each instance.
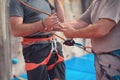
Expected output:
(29, 15)
(109, 9)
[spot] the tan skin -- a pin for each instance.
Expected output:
(80, 29)
(20, 29)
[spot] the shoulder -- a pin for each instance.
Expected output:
(14, 2)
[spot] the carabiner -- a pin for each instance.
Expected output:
(53, 45)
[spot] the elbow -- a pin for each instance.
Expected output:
(15, 33)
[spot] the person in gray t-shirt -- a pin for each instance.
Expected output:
(100, 23)
(42, 52)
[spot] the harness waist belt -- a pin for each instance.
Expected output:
(39, 36)
(28, 41)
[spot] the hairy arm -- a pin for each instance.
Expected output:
(96, 30)
(76, 24)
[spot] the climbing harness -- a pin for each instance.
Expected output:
(54, 51)
(29, 41)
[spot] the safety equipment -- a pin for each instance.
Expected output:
(69, 42)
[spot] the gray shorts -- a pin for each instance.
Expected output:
(108, 65)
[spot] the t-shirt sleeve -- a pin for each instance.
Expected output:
(111, 10)
(86, 15)
(16, 8)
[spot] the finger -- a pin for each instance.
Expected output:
(60, 25)
(64, 30)
(55, 22)
(57, 29)
(55, 18)
(54, 14)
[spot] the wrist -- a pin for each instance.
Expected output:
(43, 25)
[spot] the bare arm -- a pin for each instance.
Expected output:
(99, 29)
(77, 24)
(60, 11)
(21, 29)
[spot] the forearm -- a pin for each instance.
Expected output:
(96, 30)
(76, 24)
(59, 10)
(90, 31)
(26, 29)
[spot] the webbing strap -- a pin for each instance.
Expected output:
(28, 41)
(60, 59)
(31, 66)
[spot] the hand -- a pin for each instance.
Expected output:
(69, 32)
(59, 27)
(50, 22)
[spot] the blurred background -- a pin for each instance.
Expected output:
(79, 64)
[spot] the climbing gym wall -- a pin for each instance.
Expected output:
(5, 53)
